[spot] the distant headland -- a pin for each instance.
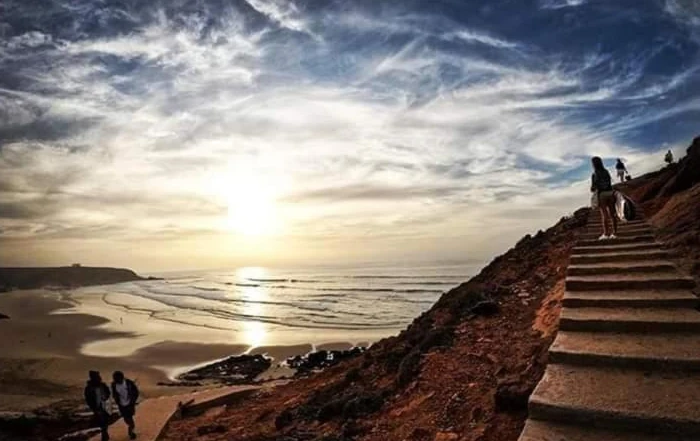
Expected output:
(72, 276)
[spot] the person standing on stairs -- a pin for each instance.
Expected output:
(96, 397)
(601, 185)
(125, 394)
(621, 170)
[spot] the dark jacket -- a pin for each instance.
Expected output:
(132, 390)
(620, 166)
(601, 181)
(91, 396)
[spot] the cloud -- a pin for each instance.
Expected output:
(387, 128)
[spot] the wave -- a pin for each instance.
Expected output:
(206, 289)
(342, 289)
(404, 277)
(267, 280)
(247, 285)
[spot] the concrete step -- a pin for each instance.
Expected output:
(619, 398)
(641, 320)
(635, 224)
(621, 233)
(623, 256)
(602, 247)
(619, 240)
(649, 266)
(620, 227)
(629, 282)
(551, 431)
(634, 351)
(648, 298)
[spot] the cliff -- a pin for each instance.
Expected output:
(70, 276)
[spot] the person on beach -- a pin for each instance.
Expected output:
(601, 185)
(669, 157)
(96, 397)
(621, 170)
(125, 394)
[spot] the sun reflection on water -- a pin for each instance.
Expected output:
(255, 332)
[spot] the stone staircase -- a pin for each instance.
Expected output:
(625, 365)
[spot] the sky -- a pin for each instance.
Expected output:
(175, 134)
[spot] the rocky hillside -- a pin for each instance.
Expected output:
(69, 276)
(464, 369)
(670, 198)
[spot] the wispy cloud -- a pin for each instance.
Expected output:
(395, 129)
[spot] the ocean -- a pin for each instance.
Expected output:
(258, 307)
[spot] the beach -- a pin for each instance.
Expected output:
(41, 361)
(156, 330)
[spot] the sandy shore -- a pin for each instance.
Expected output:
(41, 361)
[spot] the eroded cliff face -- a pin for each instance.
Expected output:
(69, 276)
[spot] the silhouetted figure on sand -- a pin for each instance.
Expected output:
(621, 170)
(669, 157)
(97, 397)
(125, 394)
(601, 186)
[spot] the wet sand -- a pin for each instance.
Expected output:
(41, 361)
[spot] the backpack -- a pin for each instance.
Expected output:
(602, 181)
(629, 211)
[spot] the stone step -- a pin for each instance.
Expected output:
(619, 398)
(618, 240)
(642, 320)
(649, 266)
(620, 227)
(629, 282)
(621, 233)
(598, 221)
(634, 351)
(648, 298)
(602, 247)
(623, 256)
(551, 431)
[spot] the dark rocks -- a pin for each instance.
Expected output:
(239, 369)
(211, 428)
(485, 308)
(179, 383)
(362, 405)
(331, 410)
(512, 395)
(284, 419)
(352, 375)
(687, 175)
(3, 316)
(322, 359)
(350, 407)
(408, 369)
(436, 337)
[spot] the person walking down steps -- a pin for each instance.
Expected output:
(621, 170)
(97, 398)
(125, 394)
(601, 186)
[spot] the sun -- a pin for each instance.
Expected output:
(252, 209)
